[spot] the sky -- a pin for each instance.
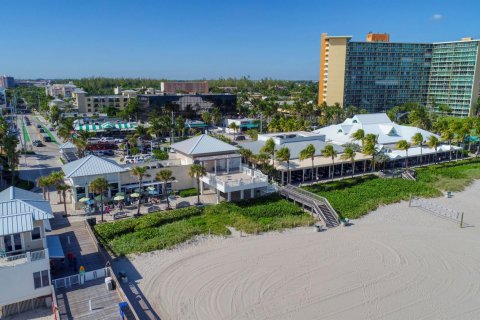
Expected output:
(209, 39)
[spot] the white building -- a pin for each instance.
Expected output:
(3, 100)
(226, 175)
(379, 124)
(24, 256)
(60, 90)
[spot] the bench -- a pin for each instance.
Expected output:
(119, 215)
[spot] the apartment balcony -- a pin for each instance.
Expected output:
(27, 257)
(242, 179)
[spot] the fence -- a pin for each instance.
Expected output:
(437, 209)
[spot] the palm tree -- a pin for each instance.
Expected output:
(358, 135)
(330, 152)
(283, 154)
(269, 148)
(246, 154)
(308, 152)
(417, 139)
(165, 176)
(81, 145)
(433, 142)
(62, 189)
(404, 145)
(449, 135)
(44, 184)
(369, 150)
(197, 171)
(234, 127)
(140, 173)
(349, 154)
(10, 143)
(99, 186)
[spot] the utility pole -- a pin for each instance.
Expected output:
(172, 128)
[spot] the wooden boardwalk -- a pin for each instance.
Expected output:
(74, 303)
(76, 239)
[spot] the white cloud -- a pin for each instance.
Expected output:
(437, 17)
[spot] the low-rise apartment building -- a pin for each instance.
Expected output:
(60, 90)
(86, 104)
(24, 254)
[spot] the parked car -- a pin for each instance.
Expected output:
(129, 159)
(108, 153)
(51, 128)
(41, 130)
(108, 139)
(47, 138)
(39, 126)
(37, 143)
(239, 138)
(119, 140)
(93, 140)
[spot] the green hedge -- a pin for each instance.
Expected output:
(108, 231)
(188, 192)
(165, 229)
(353, 198)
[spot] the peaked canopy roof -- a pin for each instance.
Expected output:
(203, 144)
(68, 145)
(91, 165)
(387, 131)
(19, 208)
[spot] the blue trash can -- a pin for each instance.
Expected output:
(123, 308)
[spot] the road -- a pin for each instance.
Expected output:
(46, 159)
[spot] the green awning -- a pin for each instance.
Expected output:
(249, 125)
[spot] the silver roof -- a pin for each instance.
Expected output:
(202, 145)
(90, 166)
(68, 145)
(13, 193)
(19, 208)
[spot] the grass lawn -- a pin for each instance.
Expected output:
(353, 198)
(165, 229)
(25, 133)
(453, 176)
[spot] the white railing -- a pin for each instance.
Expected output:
(77, 279)
(17, 259)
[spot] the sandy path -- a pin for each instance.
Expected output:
(396, 263)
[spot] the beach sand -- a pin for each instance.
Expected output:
(398, 262)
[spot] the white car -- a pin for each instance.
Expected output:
(108, 139)
(93, 140)
(129, 159)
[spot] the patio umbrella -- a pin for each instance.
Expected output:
(84, 199)
(104, 199)
(118, 198)
(151, 188)
(135, 195)
(120, 194)
(137, 190)
(153, 192)
(89, 202)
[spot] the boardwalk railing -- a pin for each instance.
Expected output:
(77, 279)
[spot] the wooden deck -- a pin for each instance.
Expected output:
(73, 302)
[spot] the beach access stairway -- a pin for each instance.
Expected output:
(408, 175)
(318, 205)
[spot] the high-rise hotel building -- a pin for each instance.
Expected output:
(377, 74)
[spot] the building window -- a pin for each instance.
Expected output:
(12, 242)
(36, 233)
(41, 279)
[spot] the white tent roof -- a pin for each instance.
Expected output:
(379, 124)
